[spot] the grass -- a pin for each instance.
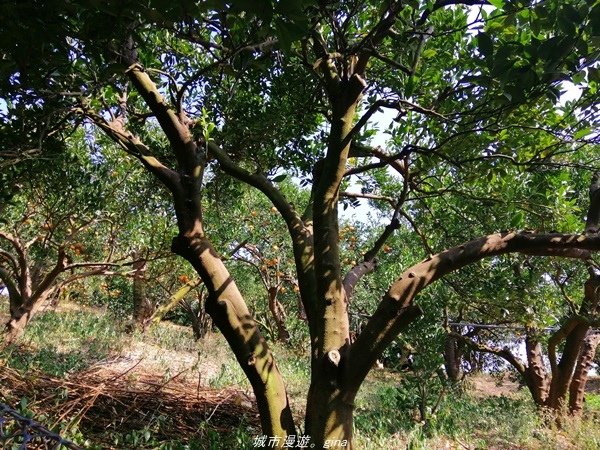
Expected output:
(59, 343)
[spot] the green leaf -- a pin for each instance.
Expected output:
(517, 220)
(280, 178)
(429, 53)
(581, 133)
(497, 3)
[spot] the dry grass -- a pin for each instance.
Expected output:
(100, 400)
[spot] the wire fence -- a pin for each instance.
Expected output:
(18, 432)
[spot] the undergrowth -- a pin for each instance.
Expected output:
(60, 343)
(57, 343)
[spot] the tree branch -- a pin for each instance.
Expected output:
(301, 233)
(390, 316)
(135, 147)
(178, 133)
(503, 353)
(22, 266)
(13, 291)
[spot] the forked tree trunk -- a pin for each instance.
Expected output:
(562, 376)
(574, 360)
(21, 315)
(337, 367)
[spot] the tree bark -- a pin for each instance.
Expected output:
(21, 316)
(278, 315)
(224, 303)
(142, 306)
(452, 359)
(580, 376)
(535, 375)
(226, 306)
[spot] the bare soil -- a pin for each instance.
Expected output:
(483, 385)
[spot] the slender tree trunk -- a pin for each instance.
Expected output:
(535, 374)
(201, 321)
(452, 359)
(278, 315)
(142, 306)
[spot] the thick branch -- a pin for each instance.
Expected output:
(301, 234)
(370, 262)
(557, 337)
(177, 133)
(385, 322)
(48, 280)
(259, 182)
(10, 259)
(13, 291)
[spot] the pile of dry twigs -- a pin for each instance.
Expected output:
(99, 401)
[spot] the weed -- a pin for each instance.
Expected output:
(59, 343)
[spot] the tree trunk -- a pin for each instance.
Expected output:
(580, 376)
(278, 316)
(330, 406)
(228, 309)
(452, 359)
(142, 306)
(201, 321)
(535, 375)
(20, 317)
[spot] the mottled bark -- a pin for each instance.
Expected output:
(535, 375)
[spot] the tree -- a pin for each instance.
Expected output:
(255, 90)
(565, 384)
(49, 235)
